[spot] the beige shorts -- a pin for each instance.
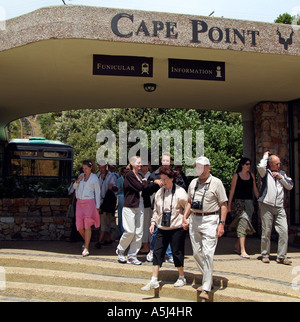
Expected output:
(106, 219)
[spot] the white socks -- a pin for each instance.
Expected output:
(153, 279)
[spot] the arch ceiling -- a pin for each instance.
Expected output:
(46, 61)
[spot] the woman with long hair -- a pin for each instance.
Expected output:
(88, 203)
(240, 203)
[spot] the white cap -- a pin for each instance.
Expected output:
(203, 161)
(101, 162)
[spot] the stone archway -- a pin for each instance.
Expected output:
(46, 60)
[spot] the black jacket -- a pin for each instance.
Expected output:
(148, 192)
(132, 189)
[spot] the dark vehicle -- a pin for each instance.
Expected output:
(38, 161)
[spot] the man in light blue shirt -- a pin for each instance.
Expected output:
(107, 181)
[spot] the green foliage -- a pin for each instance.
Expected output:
(47, 121)
(32, 187)
(79, 128)
(13, 129)
(222, 132)
(286, 18)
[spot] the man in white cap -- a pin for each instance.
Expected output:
(207, 205)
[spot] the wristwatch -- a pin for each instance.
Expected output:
(222, 222)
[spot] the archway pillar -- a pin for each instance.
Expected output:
(248, 135)
(271, 131)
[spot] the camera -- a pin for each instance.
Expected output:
(197, 205)
(166, 219)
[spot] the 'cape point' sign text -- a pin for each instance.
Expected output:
(199, 29)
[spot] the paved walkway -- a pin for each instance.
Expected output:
(229, 268)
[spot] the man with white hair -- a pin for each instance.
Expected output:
(271, 204)
(207, 201)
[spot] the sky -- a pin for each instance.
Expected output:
(255, 10)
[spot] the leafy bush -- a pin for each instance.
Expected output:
(27, 187)
(222, 132)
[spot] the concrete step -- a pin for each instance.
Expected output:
(50, 285)
(104, 279)
(64, 285)
(232, 294)
(96, 281)
(18, 299)
(112, 268)
(75, 264)
(56, 293)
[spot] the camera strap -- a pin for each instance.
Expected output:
(173, 193)
(205, 189)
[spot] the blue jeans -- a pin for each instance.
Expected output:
(120, 209)
(152, 244)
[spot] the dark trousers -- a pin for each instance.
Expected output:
(176, 237)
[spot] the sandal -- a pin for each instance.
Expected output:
(245, 256)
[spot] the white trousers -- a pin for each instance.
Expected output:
(133, 223)
(203, 234)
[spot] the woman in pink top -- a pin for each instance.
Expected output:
(88, 203)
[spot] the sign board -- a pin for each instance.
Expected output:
(197, 69)
(122, 66)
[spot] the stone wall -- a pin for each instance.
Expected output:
(272, 134)
(34, 219)
(271, 131)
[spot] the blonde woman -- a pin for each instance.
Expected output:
(133, 213)
(88, 203)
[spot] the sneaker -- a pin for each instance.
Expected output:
(121, 257)
(151, 285)
(180, 282)
(85, 253)
(149, 256)
(134, 261)
(169, 260)
(283, 261)
(265, 260)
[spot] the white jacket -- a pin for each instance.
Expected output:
(89, 189)
(272, 189)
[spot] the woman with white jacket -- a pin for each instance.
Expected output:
(88, 203)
